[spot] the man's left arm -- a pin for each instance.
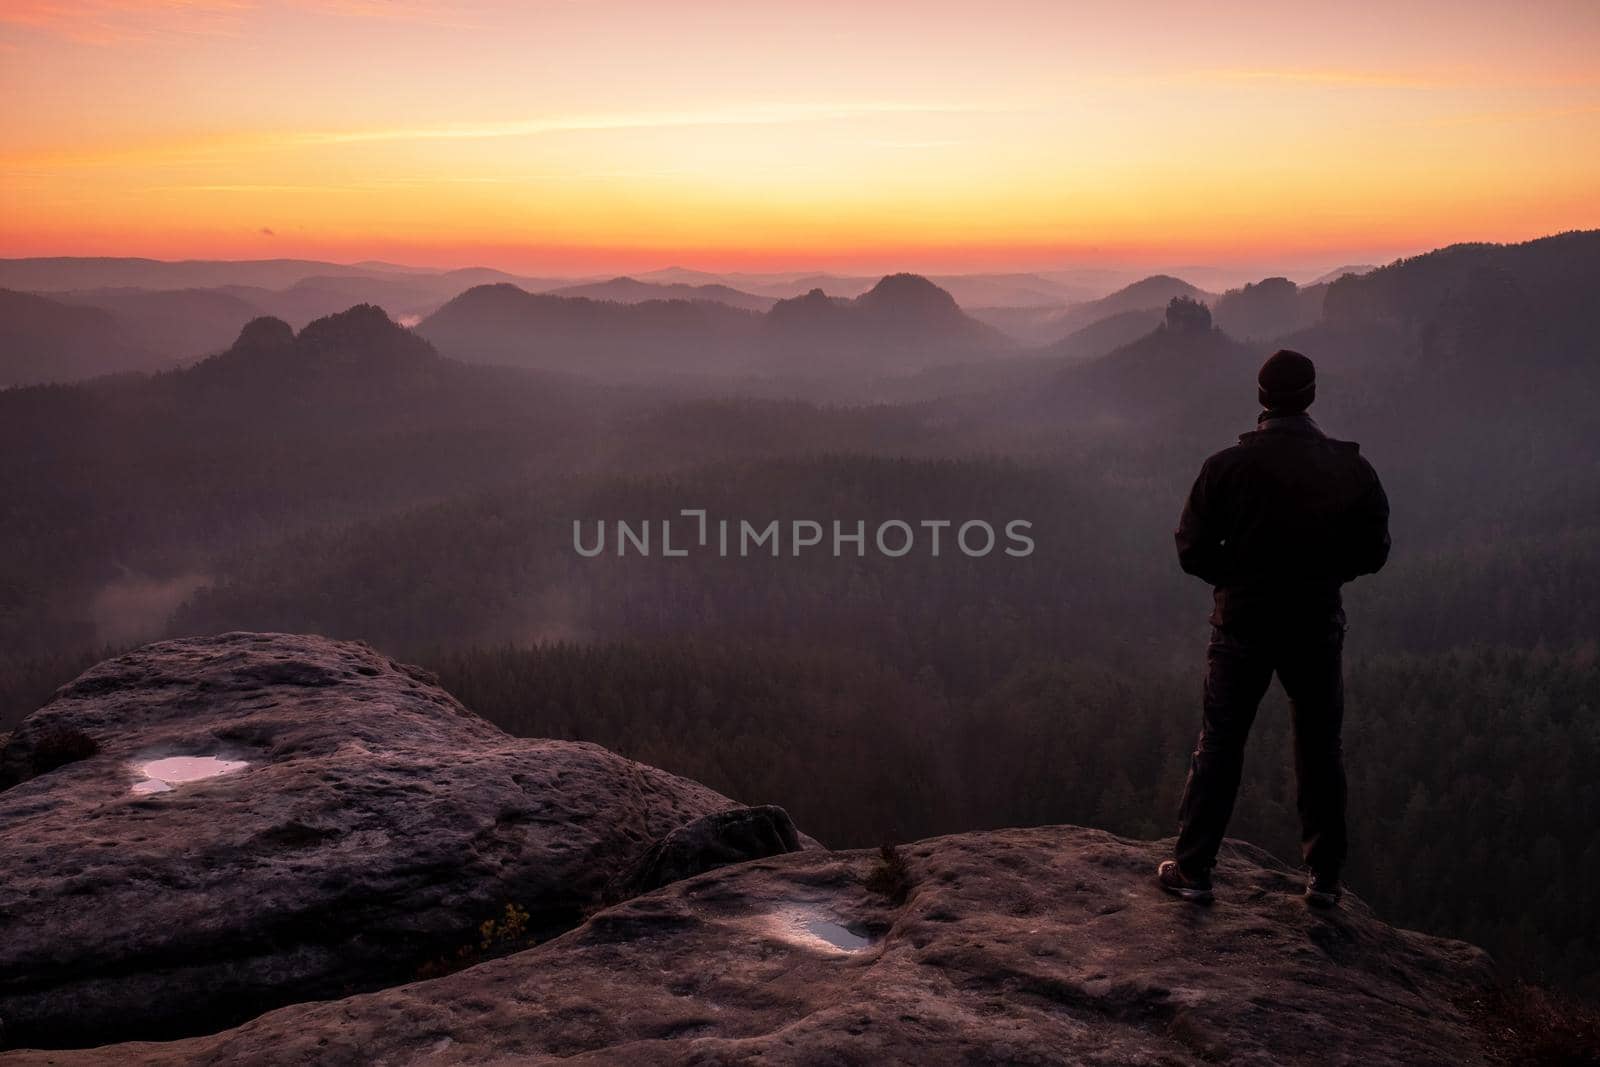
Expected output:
(1200, 547)
(1369, 528)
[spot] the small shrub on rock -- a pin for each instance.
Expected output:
(496, 937)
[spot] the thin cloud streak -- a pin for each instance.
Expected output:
(422, 182)
(769, 116)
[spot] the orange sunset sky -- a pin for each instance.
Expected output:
(585, 136)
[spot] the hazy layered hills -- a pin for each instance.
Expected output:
(46, 340)
(162, 314)
(904, 323)
(328, 394)
(760, 292)
(504, 324)
(176, 324)
(1260, 310)
(1103, 335)
(970, 290)
(1046, 325)
(165, 313)
(626, 290)
(1269, 308)
(84, 333)
(1500, 322)
(1339, 272)
(311, 298)
(1186, 366)
(361, 349)
(61, 274)
(627, 330)
(70, 335)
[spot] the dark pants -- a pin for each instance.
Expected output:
(1239, 667)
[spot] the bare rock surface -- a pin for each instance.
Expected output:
(737, 835)
(1040, 946)
(373, 824)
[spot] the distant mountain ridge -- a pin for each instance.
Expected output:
(1339, 272)
(1269, 308)
(625, 290)
(162, 314)
(903, 322)
(1490, 318)
(63, 273)
(44, 340)
(505, 324)
(180, 324)
(1046, 325)
(358, 353)
(353, 337)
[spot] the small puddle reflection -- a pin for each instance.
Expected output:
(162, 774)
(810, 928)
(839, 937)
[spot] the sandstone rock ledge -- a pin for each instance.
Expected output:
(1038, 946)
(375, 823)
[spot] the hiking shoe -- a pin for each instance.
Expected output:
(1171, 878)
(1323, 890)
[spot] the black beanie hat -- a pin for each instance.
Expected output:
(1287, 382)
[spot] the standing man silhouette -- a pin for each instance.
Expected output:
(1277, 524)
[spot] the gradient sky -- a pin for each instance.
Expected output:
(583, 136)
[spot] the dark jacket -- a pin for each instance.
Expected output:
(1281, 520)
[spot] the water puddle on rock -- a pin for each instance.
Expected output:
(160, 775)
(809, 928)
